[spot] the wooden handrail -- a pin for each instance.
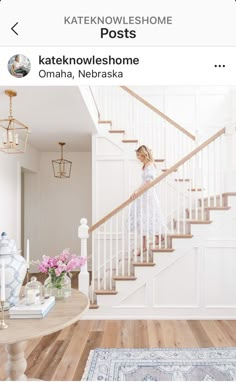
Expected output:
(158, 179)
(153, 108)
(94, 100)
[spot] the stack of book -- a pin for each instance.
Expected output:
(32, 311)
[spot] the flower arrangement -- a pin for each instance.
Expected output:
(59, 266)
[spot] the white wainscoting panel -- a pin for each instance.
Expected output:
(110, 177)
(171, 289)
(220, 282)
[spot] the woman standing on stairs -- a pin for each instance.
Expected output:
(145, 215)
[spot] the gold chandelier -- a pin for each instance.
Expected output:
(13, 133)
(61, 167)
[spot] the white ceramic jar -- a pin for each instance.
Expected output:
(15, 269)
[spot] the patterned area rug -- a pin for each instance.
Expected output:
(206, 364)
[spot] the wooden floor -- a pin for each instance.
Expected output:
(63, 355)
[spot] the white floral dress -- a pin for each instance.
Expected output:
(145, 213)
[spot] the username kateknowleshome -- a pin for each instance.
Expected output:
(86, 61)
(122, 21)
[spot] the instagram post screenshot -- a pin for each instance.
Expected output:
(118, 190)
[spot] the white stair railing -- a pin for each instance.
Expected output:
(130, 235)
(142, 121)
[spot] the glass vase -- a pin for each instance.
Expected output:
(60, 286)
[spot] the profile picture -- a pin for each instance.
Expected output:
(19, 66)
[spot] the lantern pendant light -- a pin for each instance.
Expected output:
(13, 133)
(61, 167)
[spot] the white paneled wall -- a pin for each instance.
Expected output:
(116, 173)
(196, 108)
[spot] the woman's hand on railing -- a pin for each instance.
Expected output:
(134, 195)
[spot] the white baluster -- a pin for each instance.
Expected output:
(165, 215)
(153, 228)
(214, 164)
(165, 140)
(190, 171)
(129, 239)
(117, 245)
(135, 231)
(195, 192)
(93, 269)
(99, 259)
(172, 202)
(178, 204)
(84, 275)
(159, 229)
(123, 242)
(208, 177)
(221, 174)
(110, 255)
(141, 228)
(152, 132)
(184, 151)
(184, 205)
(148, 222)
(202, 184)
(105, 258)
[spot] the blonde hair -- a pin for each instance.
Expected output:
(146, 152)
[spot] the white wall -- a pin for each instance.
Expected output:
(205, 109)
(55, 206)
(10, 189)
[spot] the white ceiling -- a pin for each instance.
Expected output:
(53, 114)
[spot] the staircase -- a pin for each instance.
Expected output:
(196, 206)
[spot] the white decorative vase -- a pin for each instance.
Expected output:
(15, 269)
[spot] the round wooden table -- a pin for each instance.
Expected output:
(64, 313)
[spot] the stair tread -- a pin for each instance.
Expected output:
(106, 291)
(125, 278)
(129, 140)
(162, 249)
(194, 221)
(139, 264)
(200, 221)
(218, 208)
(199, 208)
(116, 131)
(181, 236)
(159, 160)
(105, 121)
(196, 189)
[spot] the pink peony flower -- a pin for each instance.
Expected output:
(65, 262)
(75, 262)
(64, 255)
(43, 269)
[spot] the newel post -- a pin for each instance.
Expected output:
(84, 275)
